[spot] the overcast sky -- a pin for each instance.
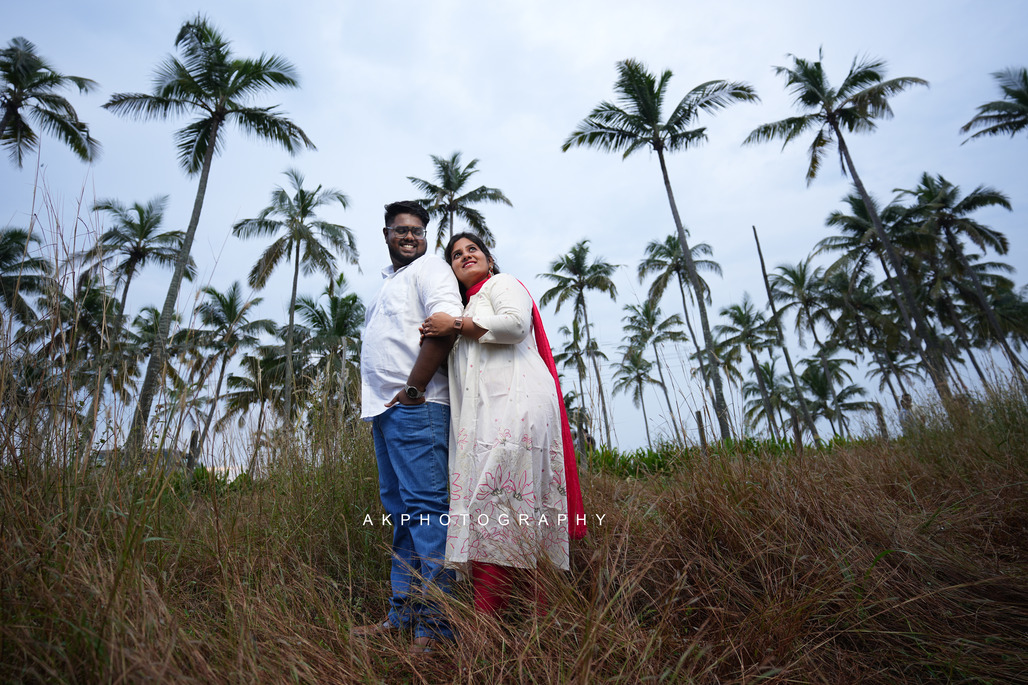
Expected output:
(386, 84)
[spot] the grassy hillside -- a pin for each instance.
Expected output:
(874, 562)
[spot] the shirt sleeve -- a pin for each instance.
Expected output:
(511, 320)
(438, 287)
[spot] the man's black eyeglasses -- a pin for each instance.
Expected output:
(416, 231)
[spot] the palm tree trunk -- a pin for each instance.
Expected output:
(183, 411)
(580, 419)
(956, 373)
(824, 367)
(289, 339)
(257, 440)
(768, 411)
(844, 425)
(124, 302)
(194, 456)
(983, 302)
(919, 331)
(692, 336)
(895, 372)
(599, 380)
(646, 421)
(781, 343)
(892, 390)
(965, 343)
(89, 429)
(885, 375)
(159, 355)
(720, 407)
(667, 398)
(974, 363)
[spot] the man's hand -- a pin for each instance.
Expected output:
(433, 352)
(401, 398)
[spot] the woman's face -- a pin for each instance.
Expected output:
(469, 264)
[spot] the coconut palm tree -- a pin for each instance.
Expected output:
(334, 338)
(144, 332)
(636, 122)
(943, 300)
(1011, 309)
(748, 329)
(887, 365)
(940, 211)
(865, 320)
(777, 388)
(448, 198)
(82, 339)
(799, 287)
(578, 416)
(729, 358)
(134, 241)
(664, 258)
(255, 385)
(574, 356)
(847, 398)
(22, 273)
(861, 99)
(776, 323)
(1009, 115)
(871, 321)
(29, 84)
(306, 239)
(574, 275)
(184, 402)
(856, 239)
(226, 329)
(218, 87)
(631, 376)
(644, 326)
(802, 288)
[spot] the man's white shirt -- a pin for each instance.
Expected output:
(391, 340)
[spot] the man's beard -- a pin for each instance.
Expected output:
(403, 260)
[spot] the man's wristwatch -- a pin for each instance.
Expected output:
(413, 393)
(458, 323)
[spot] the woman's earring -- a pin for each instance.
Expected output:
(490, 269)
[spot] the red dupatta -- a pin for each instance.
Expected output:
(576, 511)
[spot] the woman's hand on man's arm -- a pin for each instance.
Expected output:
(442, 324)
(437, 325)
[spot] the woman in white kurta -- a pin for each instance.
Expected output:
(508, 493)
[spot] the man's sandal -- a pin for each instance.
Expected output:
(424, 645)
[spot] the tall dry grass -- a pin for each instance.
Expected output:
(889, 562)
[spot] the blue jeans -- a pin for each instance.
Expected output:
(413, 469)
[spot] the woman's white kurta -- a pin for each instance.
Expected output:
(508, 502)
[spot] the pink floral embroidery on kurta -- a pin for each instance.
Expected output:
(505, 423)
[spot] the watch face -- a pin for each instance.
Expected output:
(412, 392)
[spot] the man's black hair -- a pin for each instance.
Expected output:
(394, 209)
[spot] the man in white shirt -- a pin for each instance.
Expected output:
(405, 396)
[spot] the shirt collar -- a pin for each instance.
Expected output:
(392, 271)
